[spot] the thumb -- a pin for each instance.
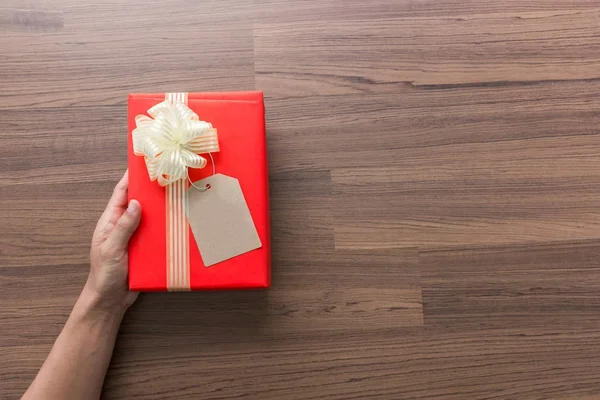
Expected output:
(125, 226)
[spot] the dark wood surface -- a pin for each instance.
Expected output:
(434, 172)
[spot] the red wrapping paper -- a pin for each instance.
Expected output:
(239, 119)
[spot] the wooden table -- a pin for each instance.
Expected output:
(435, 194)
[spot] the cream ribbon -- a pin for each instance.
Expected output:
(171, 140)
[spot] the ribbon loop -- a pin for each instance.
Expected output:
(172, 140)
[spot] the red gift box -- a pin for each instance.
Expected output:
(239, 120)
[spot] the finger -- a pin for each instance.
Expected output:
(117, 203)
(118, 200)
(125, 226)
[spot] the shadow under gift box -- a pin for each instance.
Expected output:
(240, 123)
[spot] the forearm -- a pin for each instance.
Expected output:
(77, 364)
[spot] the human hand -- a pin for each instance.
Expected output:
(107, 282)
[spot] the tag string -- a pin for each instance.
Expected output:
(204, 189)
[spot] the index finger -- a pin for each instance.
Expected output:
(119, 196)
(118, 201)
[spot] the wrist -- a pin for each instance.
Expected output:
(93, 304)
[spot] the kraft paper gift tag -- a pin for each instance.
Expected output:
(220, 219)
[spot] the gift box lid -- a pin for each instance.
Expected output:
(239, 120)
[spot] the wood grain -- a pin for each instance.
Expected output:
(100, 45)
(543, 282)
(512, 192)
(277, 11)
(391, 54)
(343, 131)
(434, 200)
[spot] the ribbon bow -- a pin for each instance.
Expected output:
(172, 141)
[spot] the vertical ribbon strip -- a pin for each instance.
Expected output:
(178, 243)
(171, 142)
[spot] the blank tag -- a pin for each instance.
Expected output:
(220, 219)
